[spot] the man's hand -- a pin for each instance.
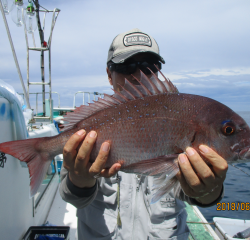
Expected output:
(81, 172)
(197, 179)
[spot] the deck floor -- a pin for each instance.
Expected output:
(198, 230)
(63, 214)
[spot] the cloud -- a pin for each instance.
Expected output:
(229, 86)
(205, 45)
(221, 72)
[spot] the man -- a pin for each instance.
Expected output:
(117, 205)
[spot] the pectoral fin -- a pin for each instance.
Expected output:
(153, 167)
(165, 186)
(164, 168)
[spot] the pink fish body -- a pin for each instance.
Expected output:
(147, 126)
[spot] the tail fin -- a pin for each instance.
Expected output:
(37, 160)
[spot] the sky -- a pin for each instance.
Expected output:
(206, 46)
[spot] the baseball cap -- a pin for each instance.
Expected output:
(127, 44)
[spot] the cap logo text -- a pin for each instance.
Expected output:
(137, 39)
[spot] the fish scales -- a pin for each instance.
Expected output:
(138, 130)
(146, 134)
(144, 128)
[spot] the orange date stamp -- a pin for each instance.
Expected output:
(233, 206)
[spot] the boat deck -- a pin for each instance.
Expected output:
(63, 214)
(199, 230)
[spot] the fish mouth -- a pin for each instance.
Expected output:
(241, 152)
(244, 154)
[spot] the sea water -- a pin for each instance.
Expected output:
(237, 191)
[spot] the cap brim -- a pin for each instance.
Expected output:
(124, 56)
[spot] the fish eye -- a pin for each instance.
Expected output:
(228, 128)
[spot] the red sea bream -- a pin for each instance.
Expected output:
(147, 125)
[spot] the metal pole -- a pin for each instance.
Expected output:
(14, 55)
(27, 49)
(50, 95)
(34, 43)
(43, 80)
(42, 52)
(37, 104)
(74, 101)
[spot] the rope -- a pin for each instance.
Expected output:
(240, 169)
(212, 223)
(119, 222)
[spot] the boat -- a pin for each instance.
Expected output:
(20, 213)
(227, 228)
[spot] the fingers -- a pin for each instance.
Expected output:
(189, 180)
(100, 161)
(202, 169)
(109, 172)
(97, 168)
(219, 164)
(76, 159)
(70, 149)
(185, 186)
(82, 158)
(196, 177)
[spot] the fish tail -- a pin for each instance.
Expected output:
(31, 152)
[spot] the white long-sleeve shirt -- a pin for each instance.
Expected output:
(97, 209)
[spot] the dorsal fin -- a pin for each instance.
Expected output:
(157, 81)
(170, 86)
(149, 84)
(128, 94)
(121, 96)
(133, 89)
(111, 99)
(142, 88)
(147, 87)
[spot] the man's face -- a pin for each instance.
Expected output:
(116, 78)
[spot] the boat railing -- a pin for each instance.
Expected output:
(37, 93)
(89, 94)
